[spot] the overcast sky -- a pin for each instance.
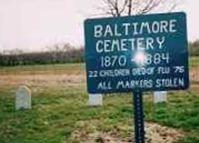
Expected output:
(32, 25)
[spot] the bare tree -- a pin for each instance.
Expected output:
(118, 8)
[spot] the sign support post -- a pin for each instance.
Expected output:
(138, 117)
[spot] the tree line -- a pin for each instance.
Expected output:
(55, 56)
(58, 55)
(194, 48)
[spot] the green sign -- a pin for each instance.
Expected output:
(145, 53)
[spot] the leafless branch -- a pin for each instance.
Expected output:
(118, 8)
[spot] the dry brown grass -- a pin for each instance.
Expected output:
(154, 134)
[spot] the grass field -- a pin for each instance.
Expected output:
(60, 113)
(194, 62)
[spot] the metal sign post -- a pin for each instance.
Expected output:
(139, 117)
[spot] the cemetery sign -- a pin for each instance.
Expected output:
(144, 53)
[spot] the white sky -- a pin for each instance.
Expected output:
(32, 25)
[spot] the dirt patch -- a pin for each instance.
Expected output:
(160, 134)
(194, 74)
(155, 133)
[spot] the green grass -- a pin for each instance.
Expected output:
(194, 62)
(60, 112)
(57, 113)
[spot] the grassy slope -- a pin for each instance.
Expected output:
(57, 113)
